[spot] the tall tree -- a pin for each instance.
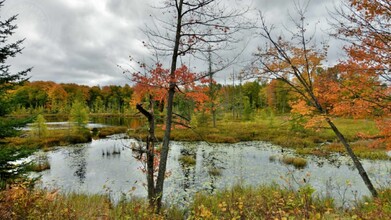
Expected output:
(154, 87)
(8, 81)
(365, 26)
(194, 26)
(295, 61)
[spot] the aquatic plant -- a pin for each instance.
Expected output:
(187, 160)
(272, 158)
(40, 163)
(297, 162)
(213, 171)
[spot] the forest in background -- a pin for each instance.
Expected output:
(207, 101)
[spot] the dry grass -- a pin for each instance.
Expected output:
(264, 202)
(187, 160)
(297, 162)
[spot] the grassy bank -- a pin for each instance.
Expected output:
(61, 137)
(15, 148)
(279, 131)
(237, 203)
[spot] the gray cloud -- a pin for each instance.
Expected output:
(84, 41)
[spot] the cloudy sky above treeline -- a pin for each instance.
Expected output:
(84, 41)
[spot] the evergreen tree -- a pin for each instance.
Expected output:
(8, 81)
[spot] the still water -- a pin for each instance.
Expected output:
(62, 122)
(108, 166)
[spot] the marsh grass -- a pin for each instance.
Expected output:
(273, 202)
(187, 160)
(263, 202)
(40, 163)
(39, 166)
(213, 171)
(272, 158)
(297, 162)
(18, 202)
(110, 130)
(374, 208)
(361, 149)
(305, 141)
(56, 138)
(60, 138)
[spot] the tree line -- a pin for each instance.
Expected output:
(243, 100)
(50, 97)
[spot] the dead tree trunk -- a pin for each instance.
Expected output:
(150, 152)
(170, 103)
(195, 26)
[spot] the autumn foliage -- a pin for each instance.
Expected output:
(157, 82)
(366, 71)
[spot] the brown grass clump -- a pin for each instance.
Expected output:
(297, 162)
(187, 160)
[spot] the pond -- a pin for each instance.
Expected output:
(58, 122)
(108, 166)
(113, 120)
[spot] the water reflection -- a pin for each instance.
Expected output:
(107, 166)
(213, 164)
(117, 121)
(79, 163)
(188, 168)
(108, 120)
(61, 122)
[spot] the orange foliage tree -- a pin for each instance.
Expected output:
(156, 83)
(296, 62)
(155, 86)
(366, 26)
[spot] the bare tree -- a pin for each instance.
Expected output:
(295, 62)
(149, 150)
(188, 27)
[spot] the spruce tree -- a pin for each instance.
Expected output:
(8, 81)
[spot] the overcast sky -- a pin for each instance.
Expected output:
(83, 41)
